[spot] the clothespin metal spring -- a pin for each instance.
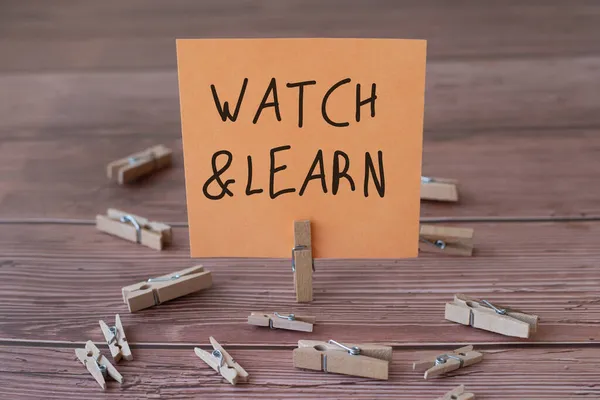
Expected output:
(101, 368)
(113, 329)
(296, 248)
(500, 311)
(219, 356)
(438, 243)
(441, 359)
(150, 156)
(355, 350)
(138, 228)
(170, 278)
(154, 293)
(290, 317)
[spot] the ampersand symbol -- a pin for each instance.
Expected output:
(217, 176)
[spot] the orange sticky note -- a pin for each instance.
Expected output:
(278, 130)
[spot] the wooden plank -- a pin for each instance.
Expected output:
(498, 176)
(462, 98)
(90, 35)
(56, 282)
(550, 373)
(524, 160)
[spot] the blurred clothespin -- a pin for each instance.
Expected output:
(484, 315)
(438, 189)
(97, 364)
(447, 362)
(222, 362)
(457, 394)
(134, 228)
(155, 291)
(134, 166)
(275, 320)
(366, 360)
(302, 261)
(116, 339)
(446, 240)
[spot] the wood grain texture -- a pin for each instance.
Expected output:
(91, 35)
(511, 112)
(54, 373)
(521, 175)
(462, 98)
(56, 282)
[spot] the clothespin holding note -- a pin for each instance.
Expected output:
(482, 314)
(446, 240)
(438, 189)
(155, 291)
(292, 322)
(457, 394)
(134, 228)
(447, 362)
(116, 339)
(97, 364)
(302, 261)
(365, 360)
(137, 165)
(222, 362)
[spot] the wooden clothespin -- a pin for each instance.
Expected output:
(457, 394)
(222, 362)
(97, 364)
(155, 291)
(449, 361)
(136, 165)
(366, 360)
(302, 261)
(446, 240)
(438, 189)
(484, 315)
(155, 235)
(291, 322)
(116, 339)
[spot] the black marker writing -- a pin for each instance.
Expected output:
(360, 103)
(324, 104)
(311, 175)
(249, 190)
(217, 176)
(370, 169)
(300, 86)
(273, 170)
(263, 104)
(337, 174)
(224, 111)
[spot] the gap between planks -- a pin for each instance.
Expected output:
(407, 346)
(458, 220)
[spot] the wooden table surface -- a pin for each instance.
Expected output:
(512, 112)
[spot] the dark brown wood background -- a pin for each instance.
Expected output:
(512, 112)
